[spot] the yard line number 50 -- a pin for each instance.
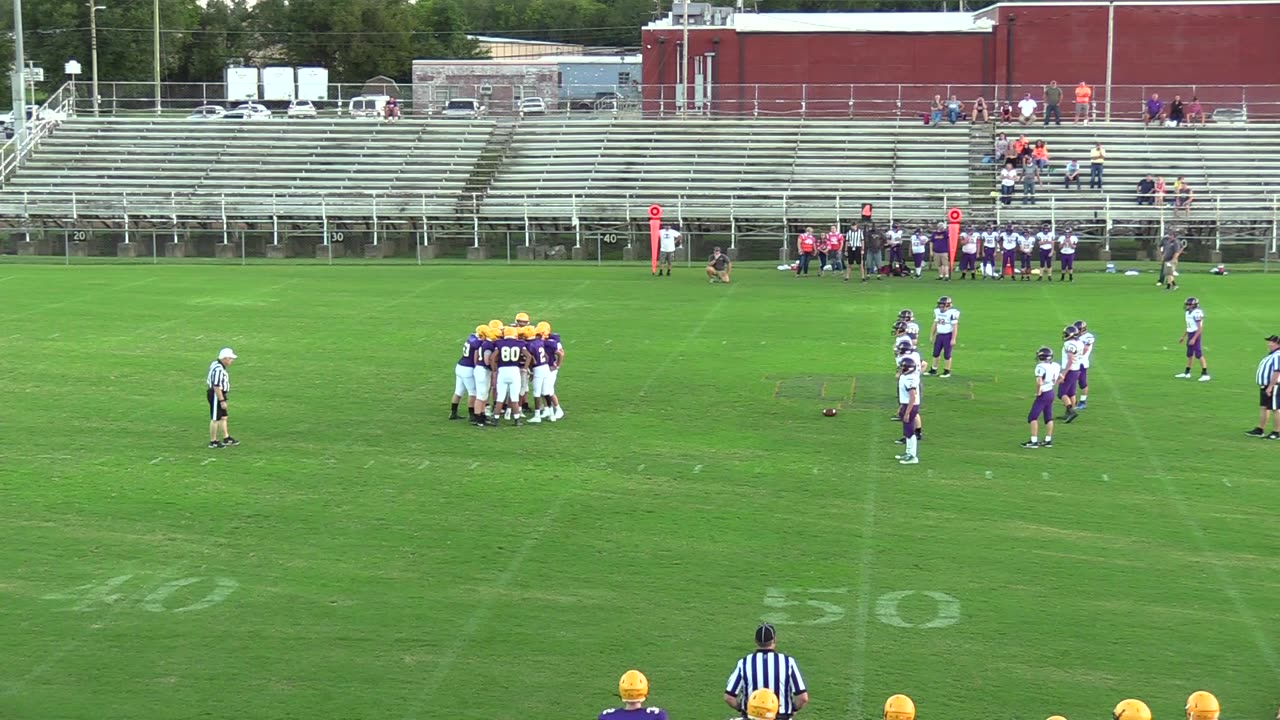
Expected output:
(814, 606)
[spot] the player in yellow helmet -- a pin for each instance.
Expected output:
(1131, 710)
(899, 707)
(465, 375)
(1202, 705)
(762, 705)
(522, 319)
(633, 688)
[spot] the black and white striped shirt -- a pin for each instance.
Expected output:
(855, 238)
(218, 377)
(767, 669)
(1269, 365)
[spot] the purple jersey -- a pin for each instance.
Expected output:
(482, 357)
(469, 350)
(510, 352)
(552, 344)
(538, 351)
(649, 713)
(941, 242)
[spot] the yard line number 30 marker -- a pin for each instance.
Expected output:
(813, 606)
(157, 600)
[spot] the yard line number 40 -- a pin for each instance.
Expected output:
(157, 599)
(814, 606)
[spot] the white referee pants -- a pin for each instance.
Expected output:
(508, 385)
(464, 381)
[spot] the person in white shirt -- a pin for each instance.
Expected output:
(854, 242)
(1008, 179)
(919, 245)
(1067, 243)
(1086, 348)
(1072, 356)
(1047, 373)
(969, 253)
(945, 331)
(990, 238)
(1026, 245)
(1009, 238)
(909, 398)
(893, 238)
(668, 241)
(1026, 109)
(1192, 338)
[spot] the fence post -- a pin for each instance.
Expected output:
(224, 219)
(577, 224)
(424, 229)
(1275, 221)
(688, 247)
(1162, 229)
(375, 217)
(838, 223)
(124, 202)
(324, 218)
(475, 219)
(755, 113)
(786, 224)
(173, 216)
(630, 228)
(525, 208)
(733, 226)
(1106, 230)
(1217, 221)
(1053, 213)
(275, 221)
(891, 189)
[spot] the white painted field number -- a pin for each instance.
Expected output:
(88, 597)
(946, 613)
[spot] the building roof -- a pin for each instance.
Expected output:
(519, 41)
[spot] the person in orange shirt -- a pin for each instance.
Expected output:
(806, 244)
(1019, 146)
(1084, 99)
(1040, 156)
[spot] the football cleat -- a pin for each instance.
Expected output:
(1031, 444)
(633, 686)
(1131, 710)
(1191, 303)
(559, 412)
(1256, 432)
(1183, 375)
(535, 419)
(1203, 378)
(909, 460)
(762, 705)
(1046, 444)
(1044, 354)
(1202, 705)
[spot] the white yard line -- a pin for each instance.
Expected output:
(693, 334)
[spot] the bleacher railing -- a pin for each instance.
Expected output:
(43, 122)
(898, 101)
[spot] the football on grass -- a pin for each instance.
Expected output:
(829, 412)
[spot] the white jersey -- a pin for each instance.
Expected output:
(907, 383)
(913, 331)
(1068, 244)
(1072, 354)
(969, 243)
(1026, 243)
(989, 238)
(1194, 319)
(945, 320)
(1009, 240)
(894, 237)
(1047, 373)
(918, 243)
(1044, 240)
(914, 355)
(1086, 346)
(667, 238)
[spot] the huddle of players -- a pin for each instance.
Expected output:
(1068, 378)
(911, 368)
(1017, 246)
(633, 689)
(500, 365)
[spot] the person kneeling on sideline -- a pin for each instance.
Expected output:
(718, 267)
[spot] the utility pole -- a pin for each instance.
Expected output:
(18, 85)
(94, 7)
(684, 61)
(156, 40)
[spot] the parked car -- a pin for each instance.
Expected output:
(301, 109)
(239, 116)
(368, 106)
(257, 111)
(533, 106)
(207, 112)
(463, 108)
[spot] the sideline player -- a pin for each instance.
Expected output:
(668, 241)
(945, 331)
(1067, 243)
(1191, 337)
(1071, 355)
(464, 381)
(919, 249)
(909, 409)
(1008, 245)
(1026, 246)
(1044, 241)
(1047, 372)
(555, 356)
(990, 238)
(894, 240)
(509, 357)
(969, 253)
(1086, 347)
(633, 688)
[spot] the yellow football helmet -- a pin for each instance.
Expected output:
(495, 325)
(481, 331)
(525, 332)
(522, 318)
(1202, 705)
(1131, 710)
(1056, 717)
(543, 328)
(633, 686)
(762, 705)
(509, 333)
(899, 707)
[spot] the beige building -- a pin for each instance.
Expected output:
(515, 49)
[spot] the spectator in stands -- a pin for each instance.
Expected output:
(391, 110)
(1097, 158)
(1147, 191)
(1194, 111)
(1028, 181)
(935, 110)
(1008, 178)
(1026, 109)
(1084, 99)
(1183, 196)
(1177, 112)
(980, 114)
(955, 110)
(1052, 101)
(1160, 188)
(1040, 158)
(1018, 146)
(1006, 116)
(1153, 111)
(1001, 148)
(1071, 174)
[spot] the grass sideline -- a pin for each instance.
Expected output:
(359, 556)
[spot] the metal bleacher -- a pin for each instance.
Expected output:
(714, 169)
(113, 166)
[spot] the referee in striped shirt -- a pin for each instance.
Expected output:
(219, 384)
(767, 668)
(1268, 378)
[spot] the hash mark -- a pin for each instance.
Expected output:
(1044, 476)
(207, 461)
(153, 462)
(474, 465)
(1226, 482)
(697, 468)
(424, 464)
(1106, 477)
(368, 465)
(641, 468)
(990, 475)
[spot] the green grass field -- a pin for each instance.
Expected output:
(361, 557)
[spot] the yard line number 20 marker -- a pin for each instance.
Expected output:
(813, 606)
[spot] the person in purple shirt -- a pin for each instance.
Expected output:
(942, 251)
(555, 356)
(508, 358)
(484, 379)
(465, 375)
(633, 688)
(1155, 108)
(539, 367)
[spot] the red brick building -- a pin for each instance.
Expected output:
(864, 64)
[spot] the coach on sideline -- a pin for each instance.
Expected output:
(219, 384)
(1269, 393)
(767, 668)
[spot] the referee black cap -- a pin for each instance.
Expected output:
(765, 634)
(1274, 339)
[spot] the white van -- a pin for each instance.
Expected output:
(368, 106)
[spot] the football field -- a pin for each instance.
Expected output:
(359, 556)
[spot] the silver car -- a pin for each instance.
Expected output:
(463, 108)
